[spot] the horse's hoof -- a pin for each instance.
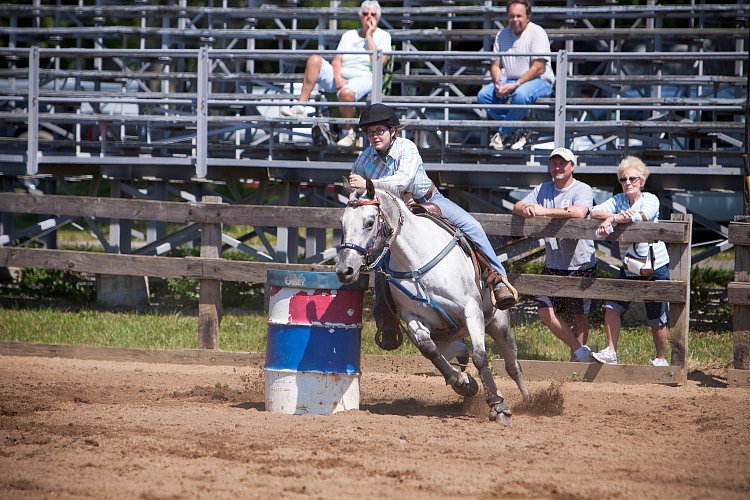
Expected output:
(500, 413)
(502, 418)
(464, 385)
(389, 339)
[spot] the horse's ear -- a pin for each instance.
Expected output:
(347, 186)
(370, 189)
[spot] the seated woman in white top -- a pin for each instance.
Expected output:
(349, 75)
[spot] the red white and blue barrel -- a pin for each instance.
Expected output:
(314, 340)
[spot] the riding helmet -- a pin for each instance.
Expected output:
(378, 113)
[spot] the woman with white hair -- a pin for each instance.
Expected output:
(349, 75)
(647, 261)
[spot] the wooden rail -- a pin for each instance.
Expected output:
(211, 269)
(738, 293)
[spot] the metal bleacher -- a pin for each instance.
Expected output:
(185, 93)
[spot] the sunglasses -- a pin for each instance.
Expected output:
(376, 132)
(632, 179)
(370, 14)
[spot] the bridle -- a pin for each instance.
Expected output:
(382, 229)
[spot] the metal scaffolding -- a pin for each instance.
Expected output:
(161, 96)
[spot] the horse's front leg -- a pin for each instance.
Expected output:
(461, 382)
(498, 410)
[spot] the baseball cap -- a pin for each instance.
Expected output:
(565, 153)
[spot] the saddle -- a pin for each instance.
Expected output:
(478, 258)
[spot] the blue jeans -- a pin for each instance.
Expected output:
(526, 93)
(656, 312)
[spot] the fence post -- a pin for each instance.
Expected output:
(377, 77)
(209, 308)
(561, 89)
(201, 112)
(32, 162)
(679, 313)
(741, 310)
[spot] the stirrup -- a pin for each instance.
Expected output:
(512, 289)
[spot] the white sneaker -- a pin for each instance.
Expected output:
(297, 111)
(583, 355)
(348, 140)
(497, 142)
(519, 140)
(606, 356)
(659, 362)
(593, 347)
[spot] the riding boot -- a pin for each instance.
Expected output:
(388, 335)
(504, 298)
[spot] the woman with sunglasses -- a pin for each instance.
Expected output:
(395, 162)
(634, 205)
(349, 75)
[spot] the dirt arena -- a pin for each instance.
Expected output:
(72, 428)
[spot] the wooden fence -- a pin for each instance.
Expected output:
(211, 269)
(739, 297)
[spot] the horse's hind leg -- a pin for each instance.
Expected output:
(498, 410)
(494, 398)
(461, 382)
(500, 330)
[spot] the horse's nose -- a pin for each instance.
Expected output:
(345, 275)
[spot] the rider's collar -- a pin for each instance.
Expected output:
(384, 157)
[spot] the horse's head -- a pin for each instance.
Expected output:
(365, 234)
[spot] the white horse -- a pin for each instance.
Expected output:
(434, 286)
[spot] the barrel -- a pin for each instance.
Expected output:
(314, 340)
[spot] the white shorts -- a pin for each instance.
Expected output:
(360, 85)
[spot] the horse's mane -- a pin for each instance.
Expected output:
(389, 188)
(388, 192)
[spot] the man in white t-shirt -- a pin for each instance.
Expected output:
(564, 197)
(349, 75)
(517, 79)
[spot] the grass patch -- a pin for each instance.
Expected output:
(246, 332)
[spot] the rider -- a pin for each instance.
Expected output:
(395, 162)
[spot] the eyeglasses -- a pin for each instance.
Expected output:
(370, 14)
(632, 179)
(376, 132)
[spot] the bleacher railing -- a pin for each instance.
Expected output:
(170, 103)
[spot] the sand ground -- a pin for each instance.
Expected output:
(72, 428)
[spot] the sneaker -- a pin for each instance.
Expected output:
(593, 348)
(348, 140)
(389, 339)
(504, 298)
(520, 137)
(297, 111)
(497, 142)
(659, 362)
(583, 355)
(606, 356)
